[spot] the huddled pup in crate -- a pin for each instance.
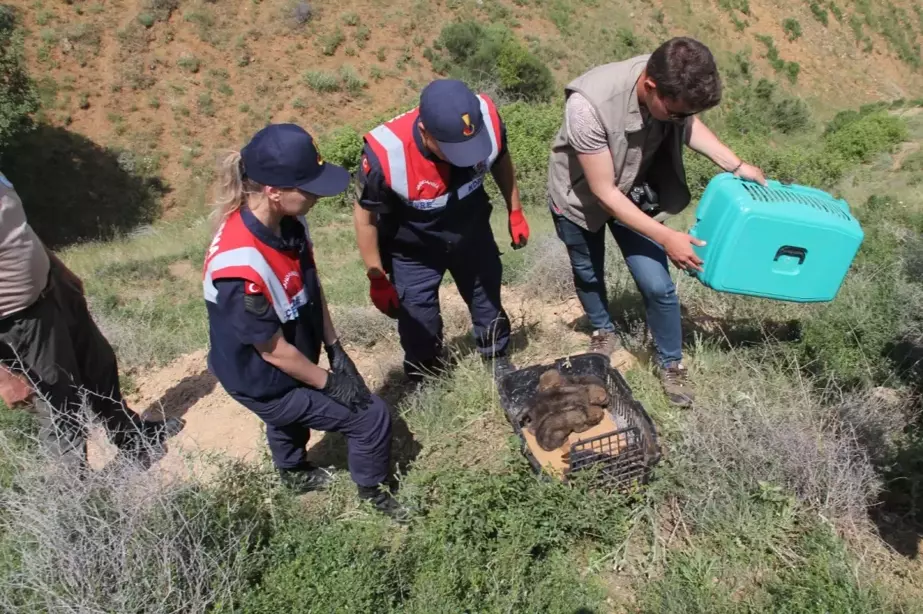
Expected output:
(565, 405)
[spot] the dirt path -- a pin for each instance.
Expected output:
(216, 424)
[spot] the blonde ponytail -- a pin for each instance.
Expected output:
(231, 188)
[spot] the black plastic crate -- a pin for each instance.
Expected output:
(636, 445)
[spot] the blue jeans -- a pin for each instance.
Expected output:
(647, 263)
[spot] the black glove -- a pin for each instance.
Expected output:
(342, 389)
(341, 363)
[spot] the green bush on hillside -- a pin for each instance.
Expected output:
(530, 130)
(18, 99)
(868, 134)
(491, 54)
(763, 108)
(849, 139)
(343, 147)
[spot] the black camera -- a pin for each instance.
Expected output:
(645, 198)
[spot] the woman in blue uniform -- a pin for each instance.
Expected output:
(268, 317)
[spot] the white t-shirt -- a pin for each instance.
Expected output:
(23, 260)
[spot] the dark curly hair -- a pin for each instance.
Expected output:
(685, 70)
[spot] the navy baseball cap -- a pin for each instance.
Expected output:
(451, 114)
(284, 156)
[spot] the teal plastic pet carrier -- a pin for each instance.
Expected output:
(784, 242)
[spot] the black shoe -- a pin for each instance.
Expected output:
(148, 443)
(383, 501)
(305, 478)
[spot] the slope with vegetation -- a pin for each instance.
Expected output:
(793, 486)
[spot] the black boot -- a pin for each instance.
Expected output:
(305, 478)
(383, 501)
(147, 444)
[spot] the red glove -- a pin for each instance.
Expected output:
(384, 296)
(519, 229)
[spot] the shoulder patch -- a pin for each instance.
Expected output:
(252, 288)
(6, 181)
(257, 304)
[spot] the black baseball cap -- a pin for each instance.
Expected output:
(284, 156)
(451, 114)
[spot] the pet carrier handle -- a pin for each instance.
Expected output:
(791, 250)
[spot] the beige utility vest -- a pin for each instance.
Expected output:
(611, 89)
(24, 263)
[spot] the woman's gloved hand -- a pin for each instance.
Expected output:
(340, 362)
(343, 389)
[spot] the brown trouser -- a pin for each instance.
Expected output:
(56, 344)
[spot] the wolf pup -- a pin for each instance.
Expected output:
(565, 405)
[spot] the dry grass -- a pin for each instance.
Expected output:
(363, 327)
(119, 539)
(760, 422)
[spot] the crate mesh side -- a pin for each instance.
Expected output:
(782, 195)
(617, 457)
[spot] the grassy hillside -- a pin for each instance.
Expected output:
(165, 83)
(793, 486)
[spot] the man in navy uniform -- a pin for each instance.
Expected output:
(422, 210)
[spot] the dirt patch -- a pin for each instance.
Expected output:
(184, 270)
(215, 423)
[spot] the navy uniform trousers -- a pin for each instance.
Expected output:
(476, 268)
(290, 418)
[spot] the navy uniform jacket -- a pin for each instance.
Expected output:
(405, 231)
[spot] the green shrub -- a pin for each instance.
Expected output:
(850, 138)
(735, 5)
(189, 63)
(763, 108)
(522, 74)
(895, 28)
(320, 81)
(530, 129)
(18, 98)
(206, 104)
(331, 41)
(352, 81)
(823, 580)
(504, 541)
(819, 12)
(363, 34)
(343, 147)
(867, 135)
(792, 28)
(479, 54)
(160, 9)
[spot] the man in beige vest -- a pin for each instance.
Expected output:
(617, 162)
(48, 335)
